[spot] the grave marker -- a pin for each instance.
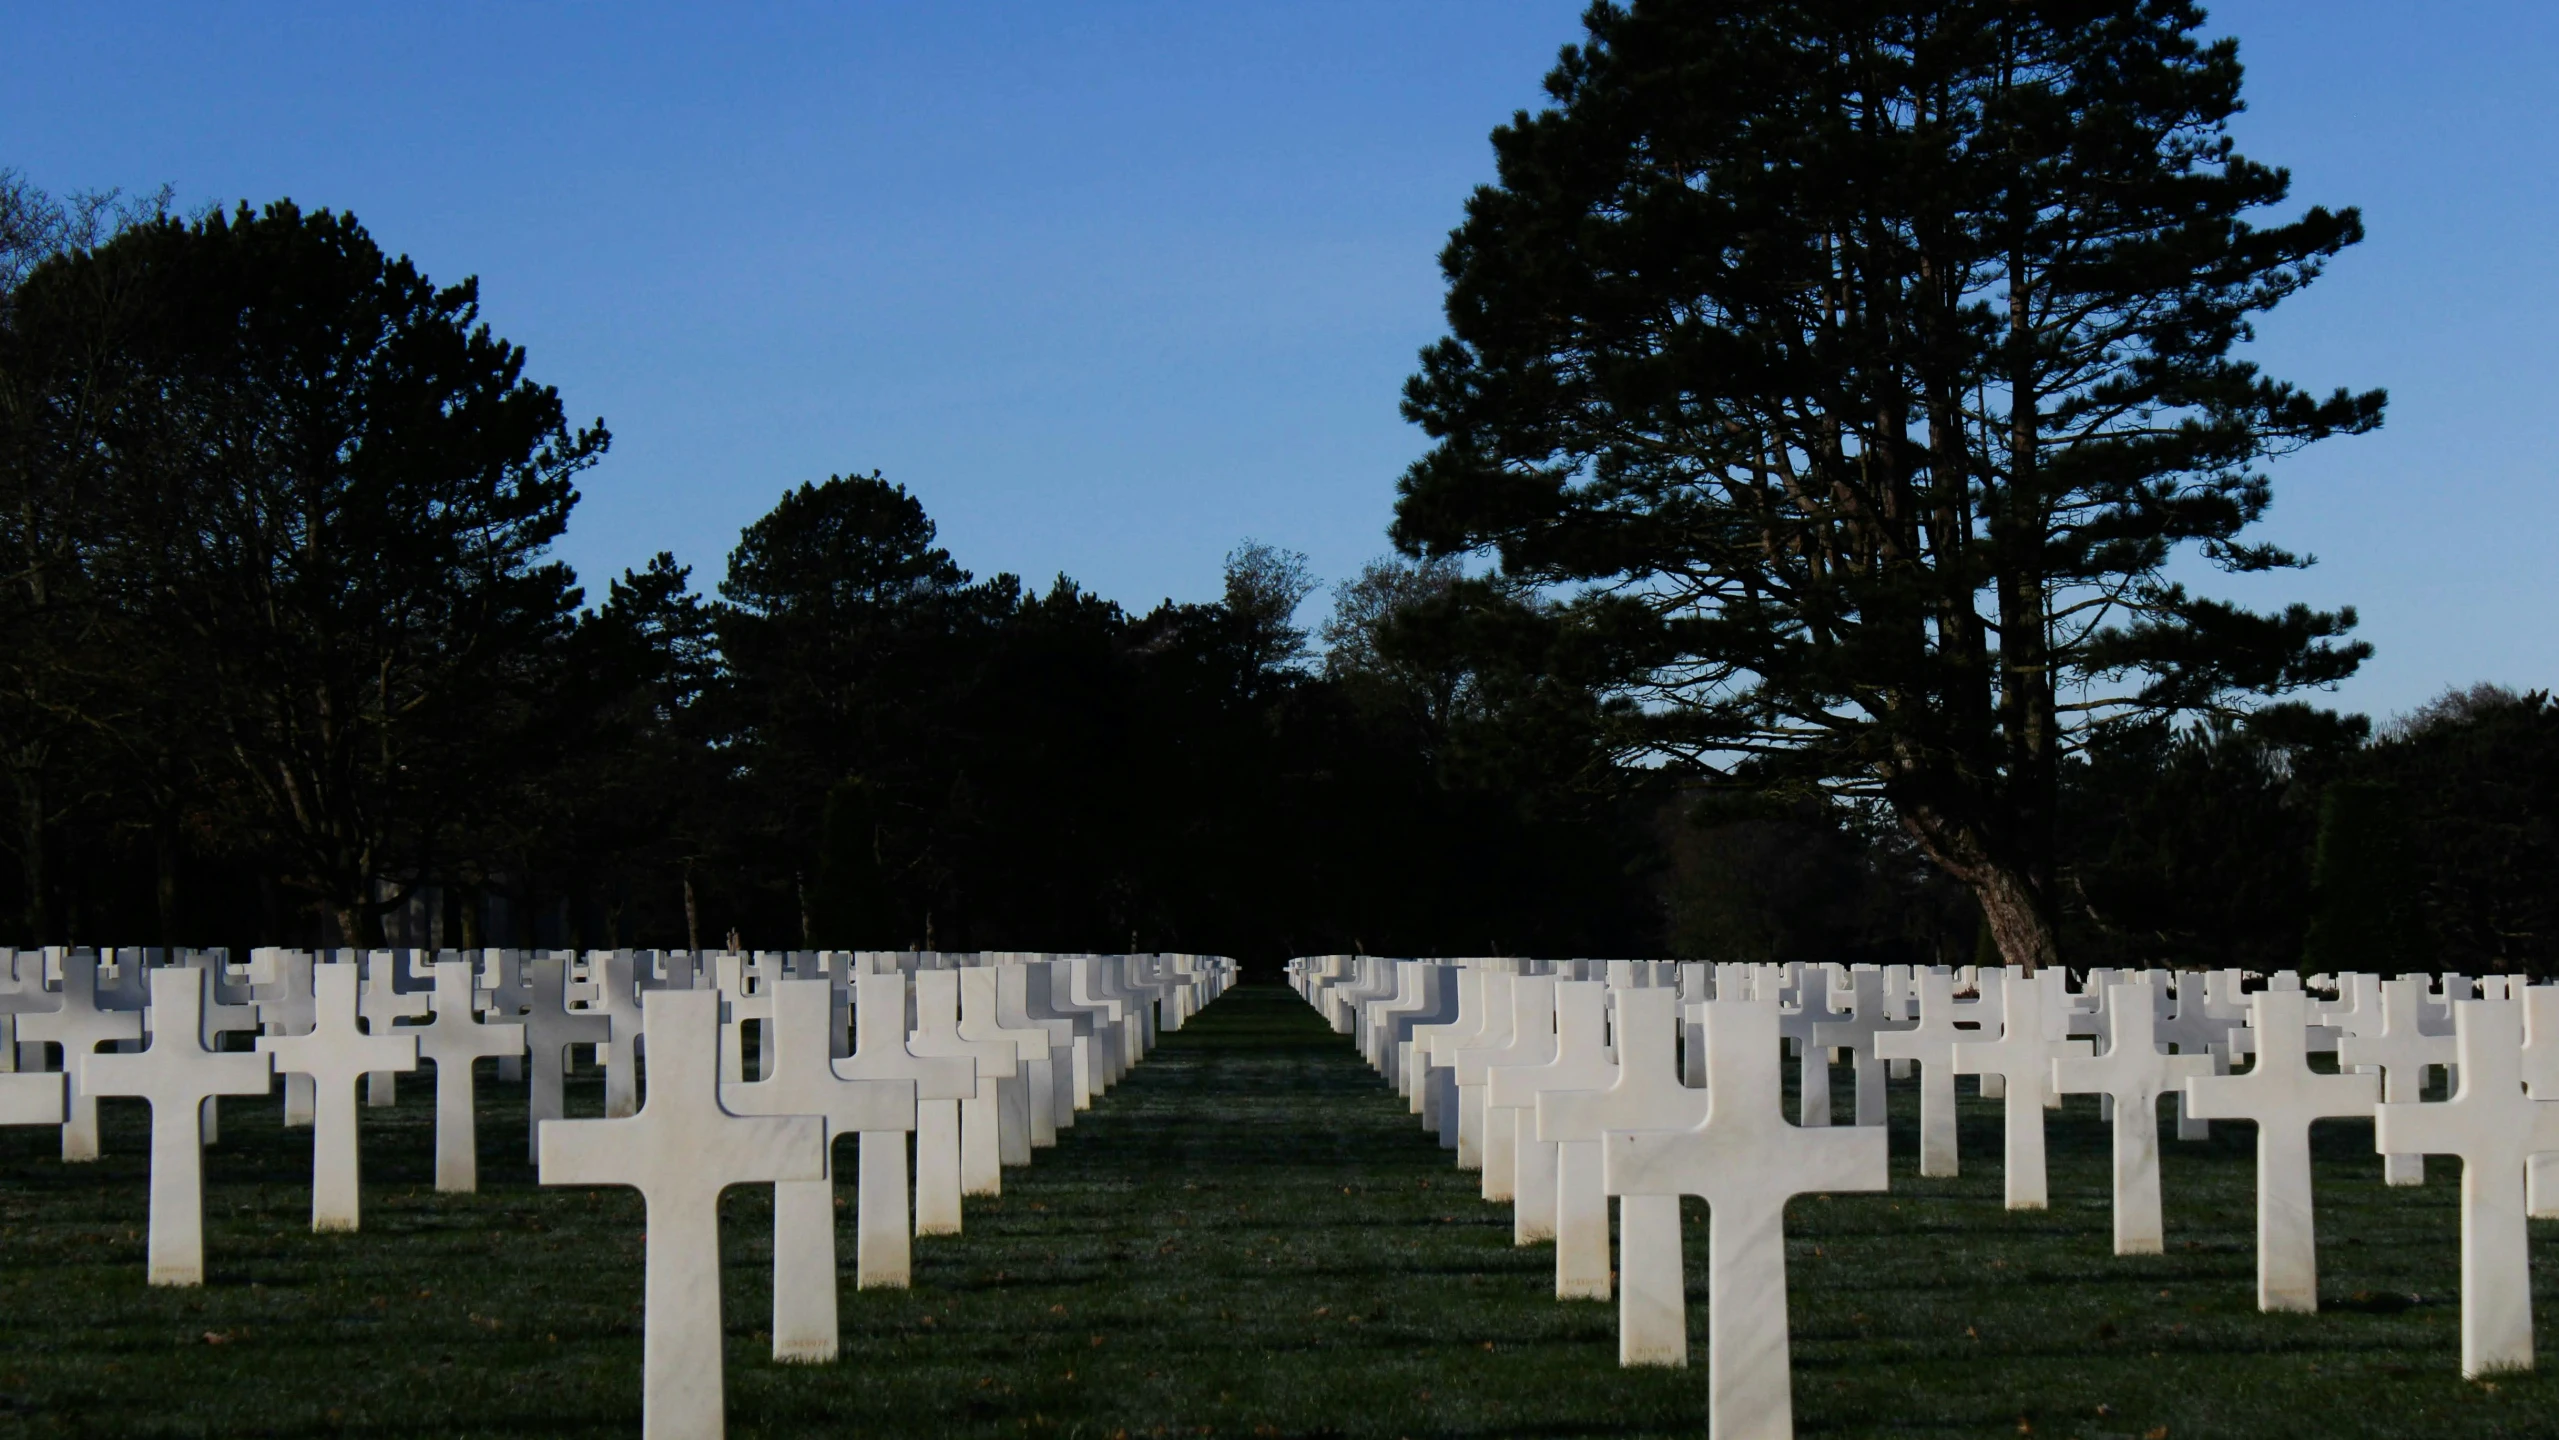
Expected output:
(2133, 1073)
(80, 1024)
(1577, 1217)
(2283, 1095)
(800, 1079)
(177, 1074)
(1652, 1287)
(680, 1151)
(2397, 1041)
(1932, 1044)
(2023, 1058)
(2495, 1129)
(330, 1057)
(454, 1039)
(1746, 1162)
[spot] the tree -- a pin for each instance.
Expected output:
(68, 668)
(341, 497)
(1854, 370)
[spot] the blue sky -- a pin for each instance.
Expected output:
(1112, 286)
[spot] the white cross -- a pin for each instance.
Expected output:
(383, 1002)
(284, 1008)
(2540, 1059)
(937, 1032)
(617, 998)
(680, 1151)
(330, 1056)
(800, 1078)
(981, 1022)
(453, 1040)
(1531, 1042)
(1652, 1294)
(1857, 1034)
(550, 1028)
(177, 1074)
(880, 1052)
(1932, 1043)
(2283, 1095)
(80, 1026)
(746, 989)
(2022, 1057)
(1804, 1023)
(1511, 1083)
(2395, 1038)
(1433, 1072)
(1746, 1162)
(2134, 1073)
(2495, 1129)
(1500, 1000)
(1052, 1076)
(1576, 1195)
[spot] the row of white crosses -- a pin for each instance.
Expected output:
(981, 1058)
(1510, 1062)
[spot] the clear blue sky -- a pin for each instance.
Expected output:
(1112, 286)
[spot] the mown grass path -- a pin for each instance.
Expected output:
(1249, 1237)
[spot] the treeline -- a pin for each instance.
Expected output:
(284, 657)
(2294, 837)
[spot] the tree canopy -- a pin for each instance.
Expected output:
(1846, 377)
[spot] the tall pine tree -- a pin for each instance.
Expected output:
(1856, 369)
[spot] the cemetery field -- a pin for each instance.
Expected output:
(1249, 1236)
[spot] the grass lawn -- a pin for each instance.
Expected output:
(1248, 1237)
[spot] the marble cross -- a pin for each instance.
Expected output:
(1500, 997)
(1813, 1010)
(2023, 1058)
(2283, 1095)
(1053, 1077)
(801, 1079)
(2495, 1129)
(937, 1033)
(1652, 1285)
(1932, 1044)
(680, 1151)
(177, 1074)
(881, 1052)
(453, 1040)
(550, 1028)
(1857, 1034)
(1746, 1162)
(1564, 1178)
(386, 999)
(80, 1025)
(1432, 1088)
(1531, 1042)
(2540, 1069)
(617, 999)
(330, 1057)
(2398, 1042)
(1526, 1164)
(284, 1008)
(1028, 1087)
(2134, 1073)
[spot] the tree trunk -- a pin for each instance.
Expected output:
(2016, 898)
(2019, 913)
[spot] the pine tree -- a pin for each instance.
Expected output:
(1854, 370)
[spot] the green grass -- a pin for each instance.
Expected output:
(1248, 1237)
